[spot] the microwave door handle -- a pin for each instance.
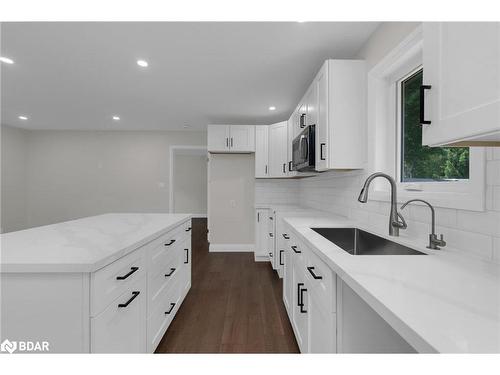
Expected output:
(305, 149)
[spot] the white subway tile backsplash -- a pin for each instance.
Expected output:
(493, 173)
(481, 222)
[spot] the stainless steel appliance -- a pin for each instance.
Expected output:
(304, 153)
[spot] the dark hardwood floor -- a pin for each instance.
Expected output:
(235, 305)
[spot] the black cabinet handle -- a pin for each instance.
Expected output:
(172, 305)
(187, 256)
(170, 243)
(284, 167)
(132, 270)
(316, 277)
(231, 141)
(301, 292)
(321, 145)
(285, 236)
(187, 230)
(423, 121)
(134, 296)
(258, 217)
(290, 166)
(299, 302)
(270, 218)
(302, 120)
(270, 255)
(172, 270)
(281, 258)
(227, 142)
(266, 169)
(294, 248)
(270, 235)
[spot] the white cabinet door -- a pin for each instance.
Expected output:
(301, 117)
(312, 104)
(322, 326)
(261, 151)
(261, 234)
(242, 138)
(322, 119)
(300, 305)
(462, 65)
(278, 151)
(121, 327)
(218, 138)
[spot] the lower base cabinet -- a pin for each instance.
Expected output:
(327, 316)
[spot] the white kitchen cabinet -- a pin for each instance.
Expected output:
(121, 327)
(261, 251)
(231, 138)
(461, 63)
(278, 149)
(311, 102)
(322, 327)
(299, 309)
(262, 151)
(338, 99)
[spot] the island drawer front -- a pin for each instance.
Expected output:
(162, 315)
(160, 250)
(162, 277)
(321, 279)
(121, 327)
(111, 281)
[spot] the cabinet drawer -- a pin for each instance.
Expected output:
(120, 328)
(162, 316)
(321, 280)
(163, 275)
(161, 249)
(111, 281)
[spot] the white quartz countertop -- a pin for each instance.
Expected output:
(82, 245)
(441, 302)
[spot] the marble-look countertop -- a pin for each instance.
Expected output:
(82, 245)
(442, 302)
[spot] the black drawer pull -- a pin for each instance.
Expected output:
(294, 248)
(290, 166)
(285, 236)
(271, 235)
(281, 258)
(172, 270)
(172, 305)
(187, 256)
(134, 296)
(270, 218)
(187, 230)
(316, 277)
(132, 270)
(321, 145)
(302, 310)
(170, 243)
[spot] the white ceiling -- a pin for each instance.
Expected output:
(78, 75)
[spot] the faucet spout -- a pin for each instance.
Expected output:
(396, 220)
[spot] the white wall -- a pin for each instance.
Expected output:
(72, 174)
(475, 233)
(231, 179)
(13, 179)
(190, 184)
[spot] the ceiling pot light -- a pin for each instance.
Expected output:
(272, 108)
(116, 118)
(6, 60)
(142, 63)
(24, 118)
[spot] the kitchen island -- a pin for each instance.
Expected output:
(107, 283)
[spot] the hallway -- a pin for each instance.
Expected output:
(234, 306)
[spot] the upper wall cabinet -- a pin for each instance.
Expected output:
(278, 149)
(231, 138)
(336, 104)
(461, 84)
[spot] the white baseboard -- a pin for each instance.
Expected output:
(223, 247)
(199, 216)
(261, 258)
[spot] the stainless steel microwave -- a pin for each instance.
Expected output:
(304, 153)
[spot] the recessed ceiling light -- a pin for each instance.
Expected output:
(142, 63)
(301, 21)
(116, 118)
(6, 60)
(22, 117)
(272, 108)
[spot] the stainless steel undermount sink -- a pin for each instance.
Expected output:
(358, 242)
